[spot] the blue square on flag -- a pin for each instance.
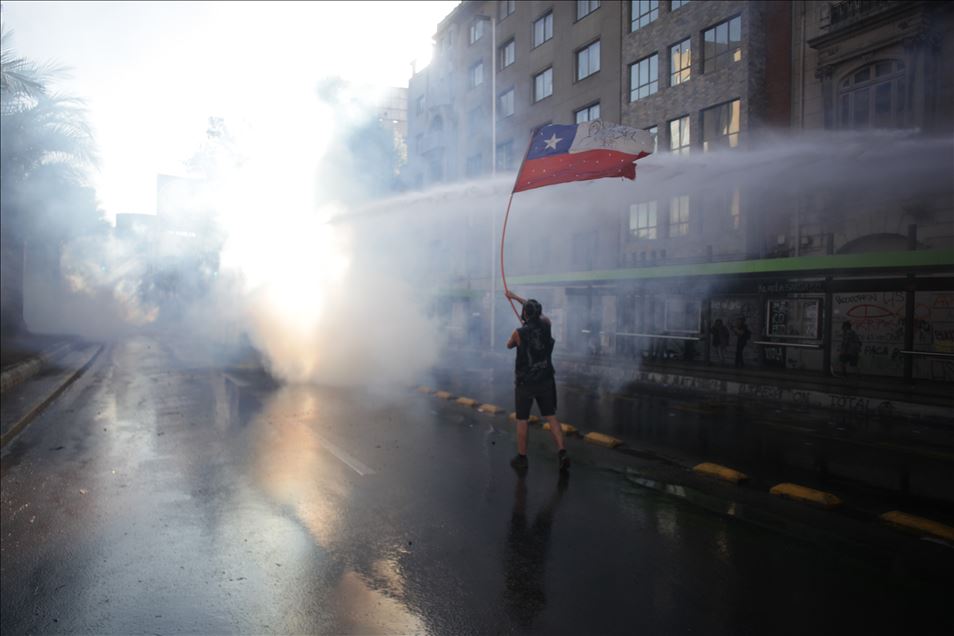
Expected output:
(551, 140)
(561, 153)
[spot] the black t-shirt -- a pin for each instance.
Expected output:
(533, 363)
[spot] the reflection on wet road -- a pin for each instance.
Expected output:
(159, 495)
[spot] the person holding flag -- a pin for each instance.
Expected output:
(557, 154)
(534, 379)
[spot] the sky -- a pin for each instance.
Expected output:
(152, 73)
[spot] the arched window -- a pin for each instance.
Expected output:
(873, 96)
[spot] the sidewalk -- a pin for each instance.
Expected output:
(701, 415)
(858, 396)
(26, 400)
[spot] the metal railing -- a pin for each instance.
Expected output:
(928, 354)
(794, 345)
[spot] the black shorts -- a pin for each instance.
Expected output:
(544, 393)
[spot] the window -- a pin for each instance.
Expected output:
(586, 7)
(505, 104)
(474, 164)
(584, 250)
(683, 315)
(475, 118)
(543, 29)
(543, 85)
(735, 210)
(505, 8)
(505, 155)
(722, 44)
(654, 131)
(721, 125)
(873, 96)
(678, 4)
(420, 105)
(508, 54)
(419, 142)
(679, 136)
(642, 12)
(587, 113)
(680, 62)
(477, 74)
(476, 30)
(588, 60)
(679, 216)
(642, 220)
(644, 78)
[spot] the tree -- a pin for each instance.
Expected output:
(46, 148)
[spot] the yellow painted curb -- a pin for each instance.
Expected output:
(912, 522)
(425, 389)
(444, 395)
(533, 418)
(722, 472)
(466, 401)
(490, 409)
(809, 495)
(602, 440)
(569, 429)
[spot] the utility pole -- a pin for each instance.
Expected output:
(492, 19)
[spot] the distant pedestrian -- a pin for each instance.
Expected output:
(720, 338)
(850, 349)
(534, 378)
(742, 335)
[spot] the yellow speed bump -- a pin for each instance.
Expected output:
(425, 389)
(490, 409)
(569, 429)
(722, 472)
(466, 401)
(533, 418)
(919, 524)
(444, 395)
(808, 495)
(602, 440)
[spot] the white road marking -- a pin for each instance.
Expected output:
(347, 459)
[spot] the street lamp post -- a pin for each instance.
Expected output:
(492, 19)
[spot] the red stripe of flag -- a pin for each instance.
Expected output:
(580, 166)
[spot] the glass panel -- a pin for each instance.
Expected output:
(845, 109)
(708, 48)
(594, 112)
(860, 115)
(899, 102)
(882, 105)
(883, 68)
(722, 34)
(595, 57)
(735, 31)
(863, 75)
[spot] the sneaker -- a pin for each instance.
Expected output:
(519, 462)
(564, 460)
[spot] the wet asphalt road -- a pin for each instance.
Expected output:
(156, 496)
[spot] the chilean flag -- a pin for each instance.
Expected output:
(579, 152)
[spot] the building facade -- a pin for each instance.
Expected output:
(795, 237)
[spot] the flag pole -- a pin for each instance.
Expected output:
(503, 233)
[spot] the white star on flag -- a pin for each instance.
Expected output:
(552, 142)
